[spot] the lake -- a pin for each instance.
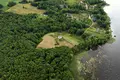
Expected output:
(110, 67)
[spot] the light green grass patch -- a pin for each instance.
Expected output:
(71, 2)
(95, 32)
(71, 38)
(56, 39)
(74, 40)
(41, 16)
(81, 16)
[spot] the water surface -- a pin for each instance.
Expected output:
(110, 67)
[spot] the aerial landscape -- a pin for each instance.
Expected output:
(59, 40)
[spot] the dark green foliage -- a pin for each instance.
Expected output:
(57, 5)
(55, 8)
(11, 3)
(79, 32)
(93, 1)
(1, 6)
(90, 42)
(101, 17)
(24, 1)
(19, 58)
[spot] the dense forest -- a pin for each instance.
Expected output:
(20, 34)
(19, 58)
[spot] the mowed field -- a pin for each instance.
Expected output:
(25, 9)
(72, 2)
(99, 32)
(51, 40)
(5, 2)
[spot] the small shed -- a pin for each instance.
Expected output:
(60, 37)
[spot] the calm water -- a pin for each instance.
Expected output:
(110, 67)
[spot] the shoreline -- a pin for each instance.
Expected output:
(97, 60)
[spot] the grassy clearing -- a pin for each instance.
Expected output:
(25, 9)
(72, 2)
(52, 40)
(81, 16)
(99, 32)
(71, 38)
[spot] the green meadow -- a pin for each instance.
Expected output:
(72, 2)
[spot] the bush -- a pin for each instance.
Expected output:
(10, 4)
(34, 4)
(1, 6)
(79, 32)
(24, 1)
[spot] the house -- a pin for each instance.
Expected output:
(93, 18)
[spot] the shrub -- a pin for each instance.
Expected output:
(1, 6)
(10, 4)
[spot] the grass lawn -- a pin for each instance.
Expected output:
(51, 40)
(72, 2)
(81, 16)
(99, 32)
(71, 38)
